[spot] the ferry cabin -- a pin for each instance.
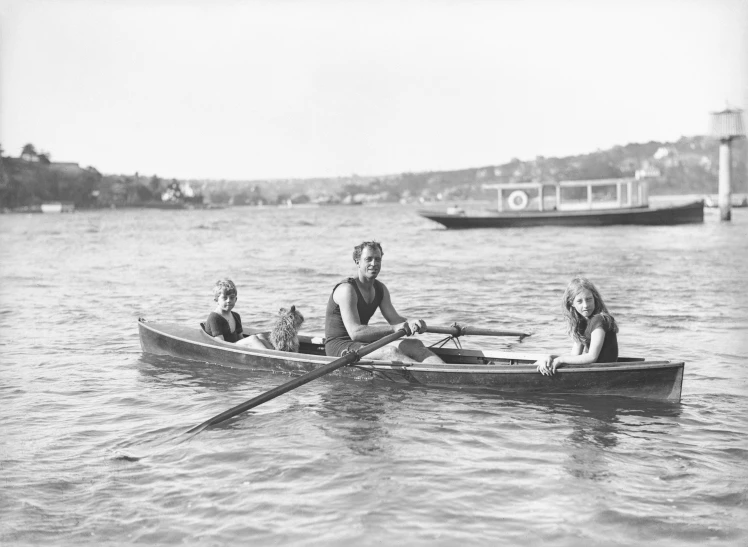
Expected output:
(627, 193)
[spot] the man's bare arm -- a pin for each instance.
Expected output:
(394, 318)
(345, 297)
(388, 310)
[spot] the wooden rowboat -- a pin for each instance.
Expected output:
(499, 371)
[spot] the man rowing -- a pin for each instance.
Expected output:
(353, 302)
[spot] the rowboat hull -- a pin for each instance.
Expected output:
(662, 216)
(464, 368)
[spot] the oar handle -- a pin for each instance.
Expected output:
(456, 330)
(347, 359)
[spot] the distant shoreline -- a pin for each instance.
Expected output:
(738, 201)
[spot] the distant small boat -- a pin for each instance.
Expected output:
(58, 207)
(499, 371)
(340, 203)
(735, 201)
(162, 205)
(630, 205)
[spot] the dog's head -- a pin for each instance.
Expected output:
(291, 317)
(284, 334)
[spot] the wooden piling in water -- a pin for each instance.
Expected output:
(726, 126)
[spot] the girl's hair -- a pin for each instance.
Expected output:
(576, 323)
(358, 249)
(223, 286)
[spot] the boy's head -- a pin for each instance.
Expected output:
(223, 286)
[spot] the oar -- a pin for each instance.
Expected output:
(347, 359)
(458, 330)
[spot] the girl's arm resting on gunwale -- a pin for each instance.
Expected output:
(550, 363)
(545, 365)
(577, 357)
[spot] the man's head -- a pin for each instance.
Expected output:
(368, 259)
(358, 249)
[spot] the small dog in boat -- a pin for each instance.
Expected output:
(284, 334)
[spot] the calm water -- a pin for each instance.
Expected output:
(340, 462)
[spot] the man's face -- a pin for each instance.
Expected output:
(370, 263)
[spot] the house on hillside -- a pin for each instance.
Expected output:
(481, 174)
(647, 172)
(667, 156)
(628, 165)
(695, 158)
(66, 167)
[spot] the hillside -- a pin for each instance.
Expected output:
(687, 166)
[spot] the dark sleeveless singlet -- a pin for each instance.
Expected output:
(337, 339)
(609, 351)
(216, 325)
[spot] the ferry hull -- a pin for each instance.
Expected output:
(691, 213)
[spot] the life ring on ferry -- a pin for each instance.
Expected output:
(517, 200)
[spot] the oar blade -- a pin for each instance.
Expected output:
(297, 382)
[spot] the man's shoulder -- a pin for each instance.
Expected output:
(344, 288)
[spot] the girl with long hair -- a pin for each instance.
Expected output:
(591, 327)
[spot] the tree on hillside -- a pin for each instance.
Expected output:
(141, 194)
(29, 152)
(219, 196)
(45, 157)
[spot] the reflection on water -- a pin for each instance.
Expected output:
(598, 425)
(594, 423)
(163, 371)
(358, 413)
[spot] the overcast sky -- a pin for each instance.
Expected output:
(282, 89)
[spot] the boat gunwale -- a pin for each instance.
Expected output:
(525, 368)
(375, 365)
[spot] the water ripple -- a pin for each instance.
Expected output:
(95, 450)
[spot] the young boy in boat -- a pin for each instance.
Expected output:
(225, 324)
(353, 302)
(590, 325)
